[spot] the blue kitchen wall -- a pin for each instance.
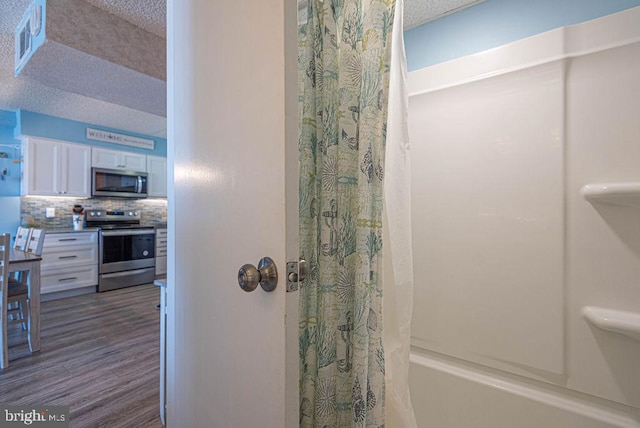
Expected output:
(9, 156)
(495, 23)
(57, 128)
(10, 185)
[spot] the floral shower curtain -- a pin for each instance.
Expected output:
(344, 59)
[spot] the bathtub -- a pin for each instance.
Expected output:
(511, 243)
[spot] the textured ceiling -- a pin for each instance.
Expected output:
(19, 93)
(149, 15)
(417, 12)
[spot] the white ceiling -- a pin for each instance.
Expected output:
(18, 93)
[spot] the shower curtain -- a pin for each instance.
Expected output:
(398, 279)
(344, 67)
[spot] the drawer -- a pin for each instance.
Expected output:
(160, 252)
(67, 279)
(62, 257)
(161, 241)
(70, 239)
(161, 265)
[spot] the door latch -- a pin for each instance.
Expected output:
(296, 273)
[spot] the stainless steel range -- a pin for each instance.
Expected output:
(127, 249)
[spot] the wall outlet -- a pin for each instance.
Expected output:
(49, 212)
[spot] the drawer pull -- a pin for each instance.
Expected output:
(67, 257)
(67, 239)
(162, 242)
(71, 278)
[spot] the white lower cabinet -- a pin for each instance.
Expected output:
(69, 260)
(161, 252)
(67, 279)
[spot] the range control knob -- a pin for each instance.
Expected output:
(130, 214)
(91, 214)
(98, 214)
(135, 213)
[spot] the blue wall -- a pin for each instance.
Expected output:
(497, 22)
(9, 146)
(10, 186)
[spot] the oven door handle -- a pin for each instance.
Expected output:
(128, 232)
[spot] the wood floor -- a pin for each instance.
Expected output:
(99, 355)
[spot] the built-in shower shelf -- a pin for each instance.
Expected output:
(623, 322)
(627, 194)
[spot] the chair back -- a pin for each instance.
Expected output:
(36, 241)
(22, 239)
(5, 248)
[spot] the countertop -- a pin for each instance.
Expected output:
(96, 229)
(70, 230)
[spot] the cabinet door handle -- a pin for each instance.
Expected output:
(67, 257)
(71, 278)
(67, 239)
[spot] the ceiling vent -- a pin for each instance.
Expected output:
(27, 34)
(76, 47)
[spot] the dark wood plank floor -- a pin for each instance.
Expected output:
(99, 355)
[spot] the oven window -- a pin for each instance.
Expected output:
(128, 247)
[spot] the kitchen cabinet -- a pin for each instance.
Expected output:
(116, 159)
(157, 177)
(69, 261)
(161, 252)
(56, 168)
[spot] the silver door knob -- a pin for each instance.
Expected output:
(266, 275)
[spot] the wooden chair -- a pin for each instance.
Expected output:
(22, 239)
(5, 248)
(18, 291)
(36, 241)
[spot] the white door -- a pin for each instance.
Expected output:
(232, 136)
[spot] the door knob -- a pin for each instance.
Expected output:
(265, 274)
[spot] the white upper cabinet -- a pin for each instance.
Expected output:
(55, 168)
(115, 159)
(157, 177)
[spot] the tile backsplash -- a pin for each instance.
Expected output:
(153, 211)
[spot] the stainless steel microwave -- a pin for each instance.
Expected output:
(122, 184)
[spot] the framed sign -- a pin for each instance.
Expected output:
(125, 140)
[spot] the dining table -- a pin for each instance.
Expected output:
(20, 261)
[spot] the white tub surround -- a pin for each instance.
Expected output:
(627, 194)
(507, 144)
(623, 322)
